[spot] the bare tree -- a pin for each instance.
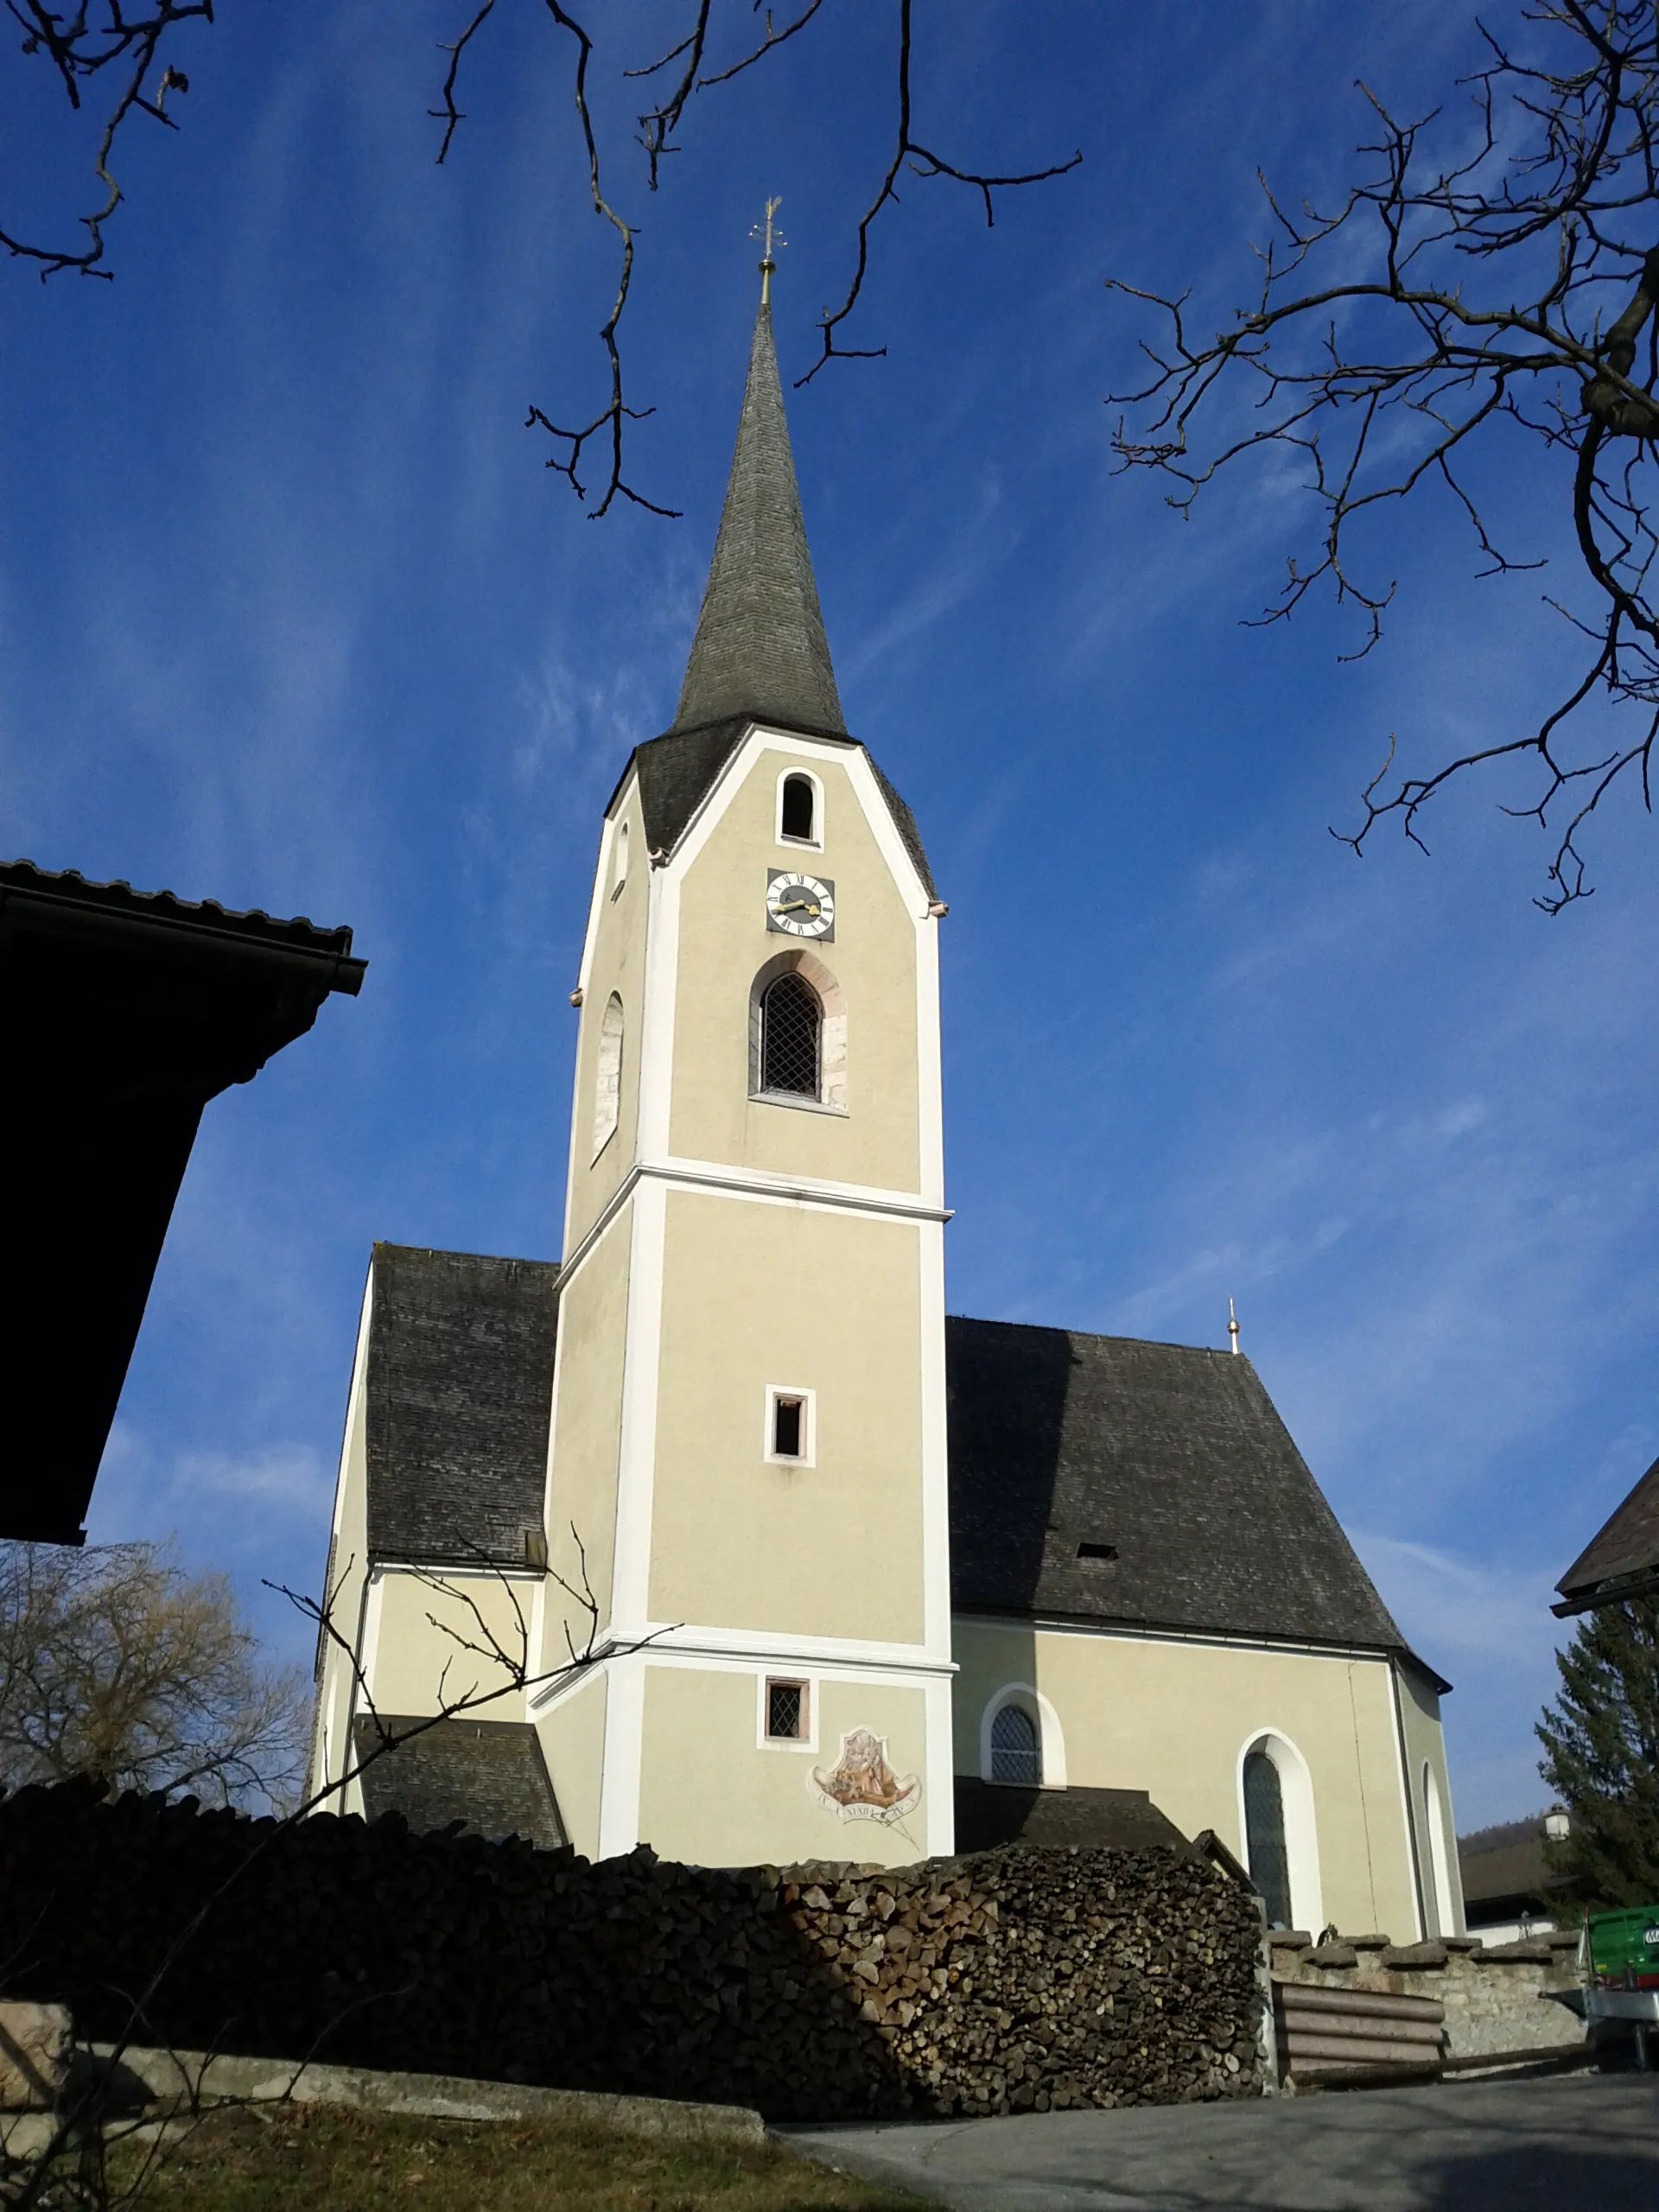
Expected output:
(101, 34)
(115, 1662)
(69, 2171)
(1493, 275)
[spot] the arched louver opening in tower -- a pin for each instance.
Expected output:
(1016, 1756)
(792, 1018)
(607, 1076)
(1264, 1830)
(798, 808)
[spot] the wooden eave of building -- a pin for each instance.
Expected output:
(122, 1013)
(1621, 1561)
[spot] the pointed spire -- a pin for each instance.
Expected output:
(759, 648)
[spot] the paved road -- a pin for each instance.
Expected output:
(1573, 2143)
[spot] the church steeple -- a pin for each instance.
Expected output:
(759, 648)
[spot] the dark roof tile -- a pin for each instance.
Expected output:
(1169, 1457)
(460, 1398)
(489, 1775)
(1626, 1548)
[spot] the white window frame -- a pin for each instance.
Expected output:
(806, 1742)
(807, 1456)
(1301, 1825)
(815, 843)
(1050, 1737)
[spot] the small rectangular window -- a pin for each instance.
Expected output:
(786, 1719)
(786, 1439)
(789, 1438)
(1097, 1551)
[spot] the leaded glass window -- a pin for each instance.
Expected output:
(1264, 1836)
(1016, 1755)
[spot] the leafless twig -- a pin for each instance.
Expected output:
(1506, 289)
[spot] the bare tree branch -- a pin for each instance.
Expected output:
(80, 50)
(1504, 292)
(923, 163)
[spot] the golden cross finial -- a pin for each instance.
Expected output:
(767, 264)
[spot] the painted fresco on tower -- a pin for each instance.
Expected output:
(861, 1786)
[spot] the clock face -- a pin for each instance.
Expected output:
(800, 906)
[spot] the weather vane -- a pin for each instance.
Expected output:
(767, 264)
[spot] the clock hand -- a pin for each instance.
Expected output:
(797, 906)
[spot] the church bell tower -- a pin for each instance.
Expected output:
(747, 1462)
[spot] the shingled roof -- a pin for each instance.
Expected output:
(1109, 1479)
(759, 653)
(760, 649)
(487, 1776)
(1621, 1559)
(459, 1399)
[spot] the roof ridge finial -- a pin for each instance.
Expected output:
(1232, 1323)
(767, 264)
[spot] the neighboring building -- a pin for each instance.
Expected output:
(1510, 1888)
(864, 1580)
(1621, 1559)
(122, 1012)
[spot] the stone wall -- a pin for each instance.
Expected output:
(1493, 1996)
(1011, 1980)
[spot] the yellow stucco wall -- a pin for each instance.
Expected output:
(1172, 1719)
(573, 1744)
(723, 941)
(711, 1796)
(416, 1666)
(587, 1426)
(617, 964)
(829, 1302)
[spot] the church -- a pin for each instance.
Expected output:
(856, 1578)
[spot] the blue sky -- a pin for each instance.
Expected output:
(293, 616)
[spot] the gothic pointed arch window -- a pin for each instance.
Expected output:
(607, 1078)
(1264, 1835)
(1279, 1829)
(791, 1023)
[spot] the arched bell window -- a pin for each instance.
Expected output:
(1264, 1836)
(1016, 1748)
(797, 809)
(791, 1021)
(607, 1079)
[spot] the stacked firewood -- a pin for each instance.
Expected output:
(1009, 1981)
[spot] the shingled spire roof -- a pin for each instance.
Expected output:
(759, 650)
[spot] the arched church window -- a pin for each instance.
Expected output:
(797, 814)
(607, 1081)
(1440, 1855)
(1264, 1836)
(620, 861)
(1016, 1754)
(792, 1017)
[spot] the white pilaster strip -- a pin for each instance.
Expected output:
(935, 1464)
(637, 1446)
(940, 1780)
(625, 1733)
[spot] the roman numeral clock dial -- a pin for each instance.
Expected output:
(800, 906)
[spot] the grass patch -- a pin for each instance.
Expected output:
(319, 2158)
